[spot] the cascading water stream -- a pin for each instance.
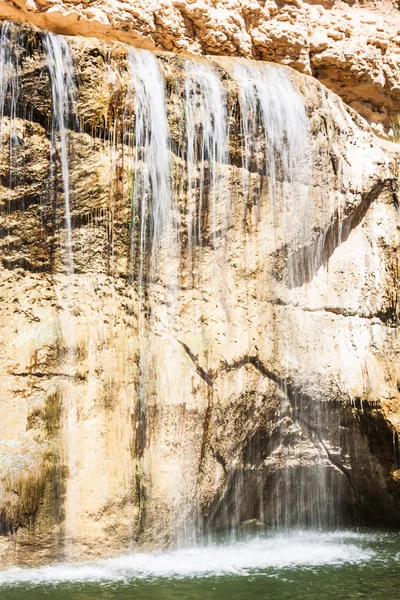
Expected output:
(206, 147)
(5, 65)
(269, 103)
(9, 92)
(8, 72)
(203, 152)
(275, 156)
(153, 234)
(60, 67)
(151, 199)
(63, 94)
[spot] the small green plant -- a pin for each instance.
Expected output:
(394, 134)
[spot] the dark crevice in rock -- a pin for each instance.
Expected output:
(304, 263)
(23, 263)
(21, 203)
(206, 430)
(258, 365)
(140, 498)
(209, 377)
(387, 317)
(41, 374)
(219, 458)
(195, 359)
(396, 448)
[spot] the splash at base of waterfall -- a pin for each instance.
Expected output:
(292, 566)
(291, 550)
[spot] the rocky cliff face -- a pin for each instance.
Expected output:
(351, 47)
(198, 322)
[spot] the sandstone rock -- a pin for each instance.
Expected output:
(140, 407)
(350, 47)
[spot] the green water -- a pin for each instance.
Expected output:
(289, 567)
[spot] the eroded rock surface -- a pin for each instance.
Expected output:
(247, 372)
(353, 48)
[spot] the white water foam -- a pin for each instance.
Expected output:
(306, 550)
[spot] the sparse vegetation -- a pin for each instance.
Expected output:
(52, 412)
(23, 493)
(394, 134)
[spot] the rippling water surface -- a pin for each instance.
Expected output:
(294, 566)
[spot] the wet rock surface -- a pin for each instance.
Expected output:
(248, 371)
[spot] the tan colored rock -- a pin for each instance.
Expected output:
(351, 48)
(128, 421)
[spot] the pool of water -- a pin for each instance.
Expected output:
(295, 566)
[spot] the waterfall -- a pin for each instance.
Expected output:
(60, 67)
(269, 102)
(151, 201)
(8, 70)
(275, 155)
(63, 94)
(9, 93)
(152, 236)
(186, 351)
(206, 147)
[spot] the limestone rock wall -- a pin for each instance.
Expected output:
(353, 48)
(247, 370)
